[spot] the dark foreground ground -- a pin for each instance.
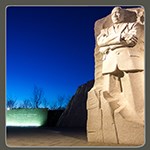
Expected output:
(47, 136)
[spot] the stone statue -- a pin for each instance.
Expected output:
(116, 102)
(122, 66)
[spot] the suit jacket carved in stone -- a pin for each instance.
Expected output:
(119, 49)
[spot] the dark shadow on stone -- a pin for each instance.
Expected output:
(75, 114)
(53, 117)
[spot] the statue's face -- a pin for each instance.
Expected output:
(117, 16)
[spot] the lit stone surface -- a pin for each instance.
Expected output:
(115, 104)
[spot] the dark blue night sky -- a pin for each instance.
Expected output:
(51, 47)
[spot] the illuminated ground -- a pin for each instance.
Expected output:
(47, 137)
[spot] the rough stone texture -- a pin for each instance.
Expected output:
(102, 126)
(75, 114)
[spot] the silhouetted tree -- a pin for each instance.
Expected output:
(37, 96)
(11, 103)
(54, 106)
(45, 103)
(67, 100)
(60, 102)
(26, 104)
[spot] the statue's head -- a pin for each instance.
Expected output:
(117, 15)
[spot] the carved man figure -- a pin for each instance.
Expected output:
(123, 67)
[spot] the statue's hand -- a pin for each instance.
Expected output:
(130, 39)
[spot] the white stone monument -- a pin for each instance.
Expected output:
(116, 102)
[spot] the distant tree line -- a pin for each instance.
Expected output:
(38, 100)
